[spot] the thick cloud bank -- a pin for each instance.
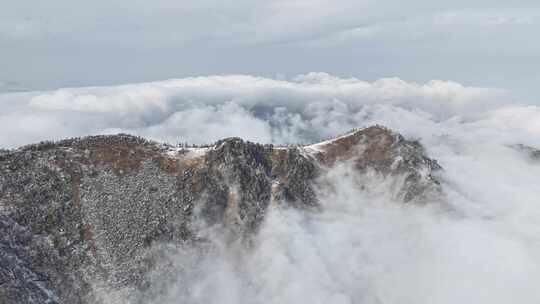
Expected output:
(205, 109)
(481, 245)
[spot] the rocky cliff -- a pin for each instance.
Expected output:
(86, 210)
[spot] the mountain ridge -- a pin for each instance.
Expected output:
(86, 210)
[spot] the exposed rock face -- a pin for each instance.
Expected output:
(82, 212)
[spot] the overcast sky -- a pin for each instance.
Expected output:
(61, 43)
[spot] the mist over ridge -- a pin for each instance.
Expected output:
(479, 241)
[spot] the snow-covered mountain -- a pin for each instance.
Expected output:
(89, 216)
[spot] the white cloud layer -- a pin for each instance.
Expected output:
(205, 109)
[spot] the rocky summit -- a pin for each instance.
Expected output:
(86, 210)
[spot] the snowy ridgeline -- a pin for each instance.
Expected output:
(93, 211)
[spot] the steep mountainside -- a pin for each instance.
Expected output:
(82, 212)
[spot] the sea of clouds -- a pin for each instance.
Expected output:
(481, 246)
(303, 109)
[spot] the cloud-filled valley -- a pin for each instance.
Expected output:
(366, 247)
(479, 244)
